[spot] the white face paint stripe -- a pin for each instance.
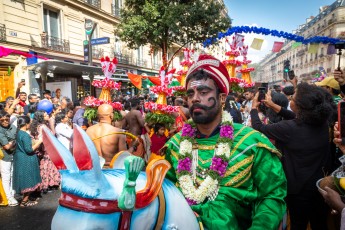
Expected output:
(195, 83)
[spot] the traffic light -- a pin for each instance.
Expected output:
(286, 68)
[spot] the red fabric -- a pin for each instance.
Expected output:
(157, 142)
(215, 68)
(277, 46)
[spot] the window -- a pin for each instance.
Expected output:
(52, 23)
(117, 45)
(116, 7)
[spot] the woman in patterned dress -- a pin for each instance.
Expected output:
(26, 171)
(49, 173)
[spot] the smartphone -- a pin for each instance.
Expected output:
(23, 80)
(262, 93)
(291, 74)
(341, 120)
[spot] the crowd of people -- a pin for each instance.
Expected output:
(293, 144)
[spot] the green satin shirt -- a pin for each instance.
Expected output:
(252, 192)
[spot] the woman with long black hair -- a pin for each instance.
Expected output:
(49, 173)
(26, 170)
(304, 143)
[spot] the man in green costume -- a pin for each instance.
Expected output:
(249, 190)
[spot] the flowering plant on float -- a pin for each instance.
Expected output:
(232, 62)
(234, 53)
(179, 91)
(106, 83)
(92, 104)
(246, 70)
(238, 85)
(208, 189)
(162, 89)
(160, 113)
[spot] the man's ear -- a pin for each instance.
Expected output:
(222, 97)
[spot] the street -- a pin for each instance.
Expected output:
(37, 217)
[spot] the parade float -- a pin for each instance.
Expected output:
(107, 85)
(160, 111)
(237, 49)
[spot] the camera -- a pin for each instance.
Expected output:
(339, 45)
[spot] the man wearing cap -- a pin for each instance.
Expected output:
(332, 86)
(229, 174)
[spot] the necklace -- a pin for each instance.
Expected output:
(188, 162)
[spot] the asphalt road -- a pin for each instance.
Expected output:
(37, 217)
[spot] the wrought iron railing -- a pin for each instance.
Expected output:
(2, 32)
(115, 10)
(97, 53)
(122, 58)
(141, 62)
(94, 3)
(54, 43)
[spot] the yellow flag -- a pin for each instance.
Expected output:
(313, 48)
(257, 43)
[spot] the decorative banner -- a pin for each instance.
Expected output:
(277, 46)
(155, 80)
(238, 41)
(257, 43)
(135, 79)
(295, 45)
(313, 48)
(6, 51)
(331, 49)
(276, 33)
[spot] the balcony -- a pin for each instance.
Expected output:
(156, 66)
(94, 3)
(115, 10)
(2, 32)
(141, 62)
(97, 53)
(122, 58)
(53, 43)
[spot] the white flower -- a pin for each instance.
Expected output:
(186, 147)
(223, 149)
(226, 117)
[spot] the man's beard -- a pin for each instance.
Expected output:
(210, 112)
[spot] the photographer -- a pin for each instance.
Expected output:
(304, 144)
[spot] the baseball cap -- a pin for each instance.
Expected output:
(330, 82)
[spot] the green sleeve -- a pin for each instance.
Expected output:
(269, 177)
(172, 149)
(26, 143)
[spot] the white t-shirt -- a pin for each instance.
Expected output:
(64, 134)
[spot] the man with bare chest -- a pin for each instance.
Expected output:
(104, 136)
(134, 121)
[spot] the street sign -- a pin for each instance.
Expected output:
(100, 41)
(88, 26)
(86, 51)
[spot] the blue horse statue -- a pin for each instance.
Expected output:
(119, 198)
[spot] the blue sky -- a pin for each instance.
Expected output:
(271, 14)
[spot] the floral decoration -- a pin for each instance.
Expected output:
(162, 89)
(107, 83)
(232, 62)
(246, 70)
(208, 189)
(234, 53)
(168, 109)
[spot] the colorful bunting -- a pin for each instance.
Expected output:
(313, 48)
(257, 43)
(135, 79)
(277, 46)
(295, 45)
(331, 49)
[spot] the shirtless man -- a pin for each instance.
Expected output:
(181, 116)
(102, 134)
(134, 121)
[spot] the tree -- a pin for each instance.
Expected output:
(160, 23)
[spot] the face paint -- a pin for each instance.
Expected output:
(195, 84)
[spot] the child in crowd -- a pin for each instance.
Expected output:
(158, 140)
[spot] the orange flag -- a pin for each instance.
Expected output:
(135, 79)
(155, 80)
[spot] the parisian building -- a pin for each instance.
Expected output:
(329, 22)
(54, 33)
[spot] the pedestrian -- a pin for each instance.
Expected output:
(8, 144)
(63, 131)
(26, 171)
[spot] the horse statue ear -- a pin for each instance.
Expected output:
(84, 150)
(58, 153)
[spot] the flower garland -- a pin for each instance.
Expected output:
(186, 168)
(162, 89)
(106, 83)
(168, 109)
